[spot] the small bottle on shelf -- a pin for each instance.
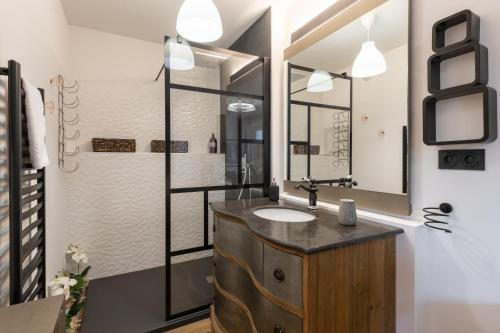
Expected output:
(212, 145)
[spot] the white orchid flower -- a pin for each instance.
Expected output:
(61, 285)
(77, 254)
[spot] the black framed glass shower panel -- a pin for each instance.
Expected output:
(299, 147)
(236, 93)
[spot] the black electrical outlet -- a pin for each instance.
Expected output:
(472, 159)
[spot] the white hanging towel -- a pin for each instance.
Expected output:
(36, 126)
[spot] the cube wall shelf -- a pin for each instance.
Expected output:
(480, 66)
(439, 29)
(489, 115)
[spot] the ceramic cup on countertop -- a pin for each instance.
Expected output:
(347, 212)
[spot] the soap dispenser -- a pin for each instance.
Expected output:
(274, 191)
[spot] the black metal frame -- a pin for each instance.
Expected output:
(174, 320)
(26, 200)
(310, 105)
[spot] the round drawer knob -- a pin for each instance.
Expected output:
(279, 275)
(279, 329)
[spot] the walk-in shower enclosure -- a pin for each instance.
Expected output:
(225, 94)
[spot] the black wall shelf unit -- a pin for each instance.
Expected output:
(489, 115)
(27, 252)
(480, 66)
(478, 86)
(439, 29)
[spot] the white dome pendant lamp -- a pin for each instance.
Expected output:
(199, 21)
(178, 54)
(370, 61)
(320, 81)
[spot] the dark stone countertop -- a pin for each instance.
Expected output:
(323, 233)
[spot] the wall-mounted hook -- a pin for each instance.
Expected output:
(74, 121)
(74, 153)
(77, 166)
(72, 105)
(74, 137)
(72, 89)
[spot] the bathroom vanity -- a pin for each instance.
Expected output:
(291, 277)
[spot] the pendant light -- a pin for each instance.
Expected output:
(320, 81)
(178, 54)
(199, 21)
(370, 61)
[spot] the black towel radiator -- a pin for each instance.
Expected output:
(26, 200)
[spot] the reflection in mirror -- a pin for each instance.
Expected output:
(348, 104)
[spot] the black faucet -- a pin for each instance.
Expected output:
(347, 182)
(313, 189)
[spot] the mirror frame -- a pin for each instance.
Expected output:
(380, 202)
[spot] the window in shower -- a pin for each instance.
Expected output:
(225, 94)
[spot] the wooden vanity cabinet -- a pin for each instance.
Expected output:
(268, 288)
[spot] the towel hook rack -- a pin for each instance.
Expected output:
(58, 81)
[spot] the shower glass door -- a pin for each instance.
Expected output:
(223, 96)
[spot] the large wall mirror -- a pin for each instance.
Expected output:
(348, 110)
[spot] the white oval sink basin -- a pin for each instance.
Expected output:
(283, 215)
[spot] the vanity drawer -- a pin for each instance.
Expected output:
(267, 316)
(230, 315)
(283, 275)
(236, 240)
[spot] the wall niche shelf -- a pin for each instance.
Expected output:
(478, 86)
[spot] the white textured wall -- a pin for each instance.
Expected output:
(116, 202)
(35, 34)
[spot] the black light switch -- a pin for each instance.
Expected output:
(468, 159)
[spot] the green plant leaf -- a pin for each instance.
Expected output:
(80, 283)
(68, 322)
(85, 271)
(75, 308)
